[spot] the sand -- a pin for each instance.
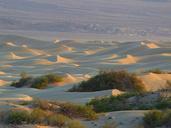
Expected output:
(78, 61)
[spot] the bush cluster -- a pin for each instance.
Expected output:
(156, 118)
(38, 82)
(39, 116)
(122, 102)
(68, 109)
(121, 80)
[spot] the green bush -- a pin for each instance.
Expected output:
(112, 103)
(38, 82)
(123, 102)
(17, 117)
(121, 80)
(53, 78)
(156, 118)
(73, 110)
(38, 116)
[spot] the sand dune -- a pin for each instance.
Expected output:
(150, 45)
(11, 44)
(2, 82)
(155, 82)
(129, 60)
(36, 52)
(43, 62)
(166, 54)
(61, 59)
(15, 57)
(2, 73)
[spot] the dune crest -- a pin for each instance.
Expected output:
(36, 52)
(166, 54)
(112, 56)
(92, 52)
(11, 44)
(61, 59)
(44, 62)
(150, 45)
(129, 60)
(2, 73)
(3, 82)
(15, 57)
(154, 82)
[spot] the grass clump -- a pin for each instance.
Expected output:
(121, 80)
(156, 118)
(37, 82)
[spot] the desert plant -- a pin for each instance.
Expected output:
(38, 116)
(121, 80)
(17, 117)
(75, 124)
(40, 83)
(156, 118)
(73, 110)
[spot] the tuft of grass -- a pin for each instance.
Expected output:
(121, 80)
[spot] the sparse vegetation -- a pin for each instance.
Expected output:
(129, 101)
(37, 82)
(69, 109)
(121, 80)
(39, 116)
(156, 118)
(156, 71)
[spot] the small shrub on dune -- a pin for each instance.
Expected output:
(58, 120)
(73, 110)
(17, 117)
(53, 78)
(38, 82)
(75, 124)
(38, 116)
(156, 118)
(121, 80)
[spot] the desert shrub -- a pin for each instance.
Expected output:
(52, 78)
(156, 118)
(37, 82)
(22, 82)
(112, 103)
(121, 80)
(75, 124)
(68, 109)
(58, 120)
(73, 110)
(38, 116)
(40, 83)
(16, 117)
(124, 102)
